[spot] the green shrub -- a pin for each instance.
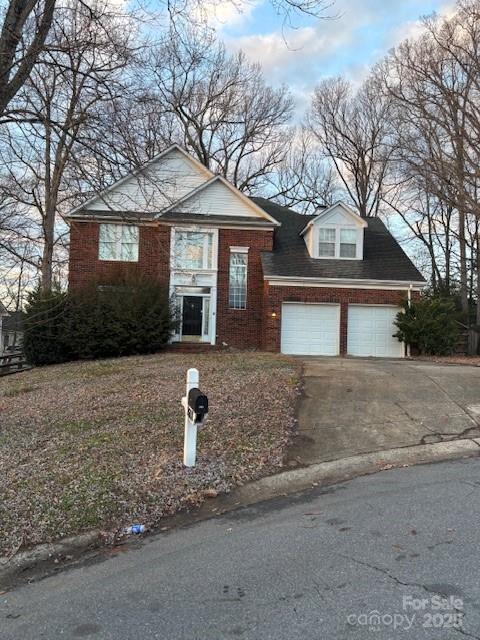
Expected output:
(44, 328)
(118, 319)
(430, 325)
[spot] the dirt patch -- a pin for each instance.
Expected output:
(99, 444)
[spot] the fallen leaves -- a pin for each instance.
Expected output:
(98, 445)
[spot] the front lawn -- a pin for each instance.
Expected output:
(98, 445)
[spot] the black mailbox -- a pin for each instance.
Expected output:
(197, 405)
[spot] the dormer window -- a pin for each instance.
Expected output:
(337, 242)
(348, 243)
(326, 244)
(336, 233)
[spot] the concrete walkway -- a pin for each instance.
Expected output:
(355, 406)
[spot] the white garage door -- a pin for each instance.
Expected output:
(310, 329)
(370, 332)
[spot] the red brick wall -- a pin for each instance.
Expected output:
(253, 327)
(85, 267)
(274, 296)
(241, 327)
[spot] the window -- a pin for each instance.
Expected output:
(237, 298)
(118, 242)
(348, 243)
(206, 316)
(337, 243)
(193, 250)
(326, 246)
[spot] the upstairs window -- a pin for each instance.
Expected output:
(348, 243)
(326, 246)
(337, 243)
(193, 250)
(237, 294)
(118, 242)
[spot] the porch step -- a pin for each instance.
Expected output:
(192, 347)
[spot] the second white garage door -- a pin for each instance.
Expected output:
(310, 329)
(370, 332)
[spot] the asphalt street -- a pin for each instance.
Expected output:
(394, 555)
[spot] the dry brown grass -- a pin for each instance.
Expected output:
(99, 444)
(473, 361)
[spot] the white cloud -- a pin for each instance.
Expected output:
(222, 13)
(348, 45)
(275, 51)
(414, 28)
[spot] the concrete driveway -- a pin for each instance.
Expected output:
(353, 406)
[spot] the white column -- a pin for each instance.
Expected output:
(190, 440)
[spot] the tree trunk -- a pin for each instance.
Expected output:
(47, 255)
(48, 215)
(463, 259)
(478, 282)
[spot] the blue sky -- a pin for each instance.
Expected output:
(301, 56)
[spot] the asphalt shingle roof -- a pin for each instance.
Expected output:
(383, 257)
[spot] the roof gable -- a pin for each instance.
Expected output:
(218, 197)
(163, 180)
(337, 214)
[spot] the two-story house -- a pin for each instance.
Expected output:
(246, 272)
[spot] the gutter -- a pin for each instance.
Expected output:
(342, 282)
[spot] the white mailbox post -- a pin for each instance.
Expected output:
(195, 404)
(190, 441)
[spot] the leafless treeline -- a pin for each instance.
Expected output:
(100, 96)
(407, 142)
(89, 91)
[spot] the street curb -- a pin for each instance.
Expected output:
(334, 471)
(281, 484)
(47, 552)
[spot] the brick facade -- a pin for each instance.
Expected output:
(257, 326)
(241, 327)
(85, 267)
(274, 296)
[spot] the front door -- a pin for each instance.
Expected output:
(192, 317)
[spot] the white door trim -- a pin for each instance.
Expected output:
(211, 297)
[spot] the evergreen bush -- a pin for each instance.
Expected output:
(123, 317)
(430, 325)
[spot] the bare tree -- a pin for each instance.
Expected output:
(25, 29)
(27, 23)
(58, 101)
(216, 105)
(304, 180)
(434, 92)
(352, 129)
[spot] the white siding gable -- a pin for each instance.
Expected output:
(158, 185)
(218, 198)
(337, 217)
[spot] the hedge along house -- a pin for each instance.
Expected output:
(246, 272)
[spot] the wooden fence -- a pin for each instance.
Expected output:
(13, 362)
